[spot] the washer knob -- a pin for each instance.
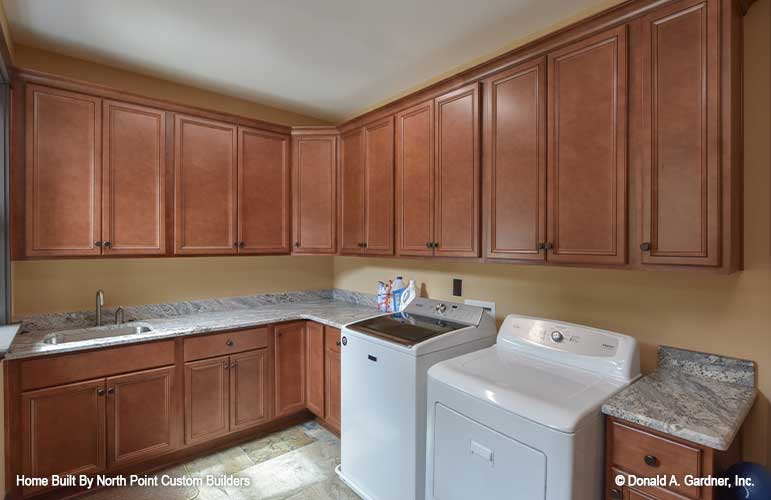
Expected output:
(441, 308)
(557, 336)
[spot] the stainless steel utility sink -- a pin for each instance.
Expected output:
(89, 334)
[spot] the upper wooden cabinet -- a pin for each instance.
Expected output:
(366, 195)
(134, 172)
(515, 162)
(263, 192)
(438, 176)
(63, 173)
(679, 89)
(205, 186)
(314, 167)
(587, 141)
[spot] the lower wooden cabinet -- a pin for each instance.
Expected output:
(63, 431)
(289, 362)
(225, 394)
(249, 388)
(140, 416)
(314, 376)
(332, 377)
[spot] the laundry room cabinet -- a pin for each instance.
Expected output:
(438, 179)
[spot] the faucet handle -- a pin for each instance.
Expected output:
(120, 316)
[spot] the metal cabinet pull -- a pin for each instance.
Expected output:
(111, 390)
(226, 365)
(651, 461)
(548, 246)
(107, 244)
(616, 493)
(100, 392)
(230, 343)
(645, 247)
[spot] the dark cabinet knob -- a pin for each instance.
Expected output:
(428, 245)
(107, 244)
(651, 461)
(645, 247)
(436, 244)
(100, 392)
(226, 365)
(297, 244)
(230, 343)
(111, 390)
(548, 246)
(97, 243)
(540, 246)
(616, 493)
(234, 364)
(241, 244)
(338, 343)
(364, 245)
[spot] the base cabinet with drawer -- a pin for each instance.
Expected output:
(633, 450)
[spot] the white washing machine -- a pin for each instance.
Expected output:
(384, 365)
(522, 418)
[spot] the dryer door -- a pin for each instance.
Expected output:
(474, 461)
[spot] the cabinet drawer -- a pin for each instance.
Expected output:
(331, 338)
(57, 370)
(645, 454)
(220, 344)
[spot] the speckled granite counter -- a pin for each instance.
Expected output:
(334, 308)
(702, 398)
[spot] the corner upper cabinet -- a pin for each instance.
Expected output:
(205, 186)
(314, 167)
(367, 189)
(680, 90)
(263, 192)
(587, 150)
(134, 172)
(438, 176)
(63, 173)
(515, 162)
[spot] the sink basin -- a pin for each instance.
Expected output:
(88, 334)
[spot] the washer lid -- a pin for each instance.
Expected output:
(550, 394)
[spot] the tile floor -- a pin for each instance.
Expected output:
(295, 464)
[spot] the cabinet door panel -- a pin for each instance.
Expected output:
(457, 173)
(140, 416)
(587, 146)
(134, 147)
(63, 173)
(679, 85)
(63, 430)
(206, 399)
(289, 354)
(263, 192)
(515, 156)
(315, 166)
(332, 376)
(248, 389)
(205, 186)
(352, 192)
(415, 180)
(314, 375)
(379, 158)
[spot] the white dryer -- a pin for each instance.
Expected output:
(522, 419)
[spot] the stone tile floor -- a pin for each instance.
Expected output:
(295, 464)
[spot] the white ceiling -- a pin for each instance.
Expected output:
(325, 58)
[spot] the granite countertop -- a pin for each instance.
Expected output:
(190, 318)
(702, 398)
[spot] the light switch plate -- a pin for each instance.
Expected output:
(489, 307)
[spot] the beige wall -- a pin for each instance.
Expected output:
(69, 285)
(707, 312)
(58, 64)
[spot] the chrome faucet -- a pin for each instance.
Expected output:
(120, 316)
(99, 305)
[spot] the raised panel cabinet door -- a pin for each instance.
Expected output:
(263, 192)
(314, 372)
(249, 389)
(679, 86)
(140, 416)
(457, 173)
(205, 186)
(315, 165)
(289, 363)
(134, 171)
(379, 213)
(515, 162)
(587, 144)
(415, 180)
(63, 173)
(206, 399)
(352, 192)
(332, 376)
(63, 430)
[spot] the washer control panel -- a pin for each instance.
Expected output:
(460, 313)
